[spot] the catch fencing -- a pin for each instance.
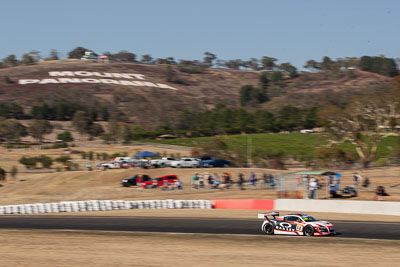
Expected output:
(103, 205)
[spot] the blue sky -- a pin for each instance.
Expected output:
(293, 31)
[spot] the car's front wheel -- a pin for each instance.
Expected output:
(268, 229)
(308, 230)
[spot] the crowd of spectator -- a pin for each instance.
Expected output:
(226, 181)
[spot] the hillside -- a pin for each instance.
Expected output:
(153, 93)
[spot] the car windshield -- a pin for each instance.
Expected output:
(309, 219)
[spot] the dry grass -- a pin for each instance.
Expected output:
(94, 248)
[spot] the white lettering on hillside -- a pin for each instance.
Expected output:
(98, 74)
(91, 80)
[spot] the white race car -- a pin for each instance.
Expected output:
(295, 224)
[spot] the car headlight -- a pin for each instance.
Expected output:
(124, 181)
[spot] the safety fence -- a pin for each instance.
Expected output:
(311, 205)
(103, 205)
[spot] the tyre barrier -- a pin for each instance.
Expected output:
(103, 205)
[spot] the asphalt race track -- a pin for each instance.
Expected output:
(375, 230)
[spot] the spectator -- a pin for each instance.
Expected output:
(313, 185)
(356, 179)
(366, 182)
(338, 181)
(178, 184)
(241, 181)
(380, 193)
(210, 181)
(253, 180)
(265, 180)
(271, 181)
(195, 181)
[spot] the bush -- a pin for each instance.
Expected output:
(63, 159)
(29, 163)
(45, 161)
(55, 146)
(65, 136)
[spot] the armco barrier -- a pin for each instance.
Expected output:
(251, 204)
(339, 206)
(103, 205)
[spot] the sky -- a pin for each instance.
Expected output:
(289, 30)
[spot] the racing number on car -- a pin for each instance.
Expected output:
(299, 228)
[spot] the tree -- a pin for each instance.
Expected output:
(312, 65)
(147, 59)
(268, 63)
(29, 163)
(253, 63)
(293, 72)
(105, 115)
(264, 83)
(12, 130)
(209, 58)
(45, 161)
(63, 159)
(234, 64)
(65, 136)
(35, 55)
(277, 76)
(53, 55)
(10, 61)
(124, 56)
(327, 64)
(363, 123)
(250, 93)
(39, 128)
(3, 175)
(95, 130)
(77, 52)
(27, 60)
(81, 122)
(381, 65)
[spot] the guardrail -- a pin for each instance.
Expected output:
(103, 205)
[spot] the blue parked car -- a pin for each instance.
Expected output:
(215, 163)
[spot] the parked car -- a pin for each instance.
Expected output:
(160, 181)
(109, 165)
(205, 158)
(137, 179)
(215, 163)
(185, 162)
(162, 162)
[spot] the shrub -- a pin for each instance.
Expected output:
(65, 136)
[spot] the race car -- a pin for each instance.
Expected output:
(295, 224)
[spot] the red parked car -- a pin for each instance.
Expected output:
(160, 181)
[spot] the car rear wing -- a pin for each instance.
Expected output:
(265, 215)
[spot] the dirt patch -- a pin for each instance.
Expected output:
(94, 248)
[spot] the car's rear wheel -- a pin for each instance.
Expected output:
(268, 229)
(308, 230)
(178, 166)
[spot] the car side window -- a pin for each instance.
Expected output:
(292, 218)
